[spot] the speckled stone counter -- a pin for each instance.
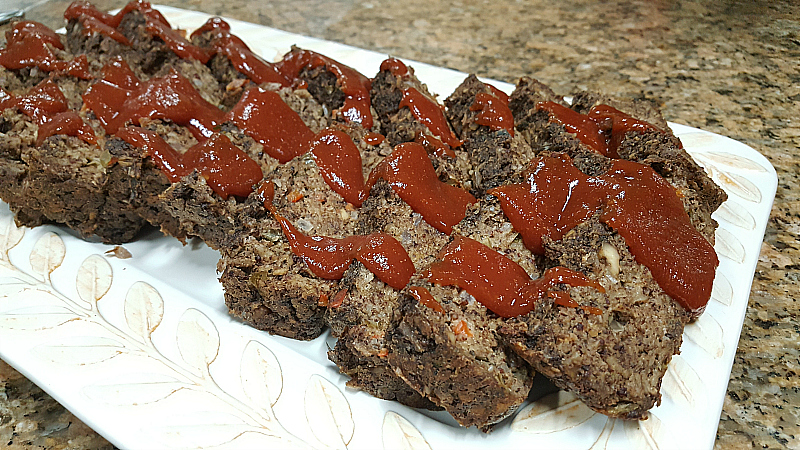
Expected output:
(730, 67)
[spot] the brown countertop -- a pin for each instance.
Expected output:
(729, 67)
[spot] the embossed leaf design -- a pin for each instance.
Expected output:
(144, 309)
(737, 185)
(47, 254)
(198, 340)
(11, 286)
(94, 278)
(134, 389)
(262, 379)
(10, 235)
(722, 291)
(81, 350)
(328, 413)
(733, 161)
(551, 413)
(208, 429)
(648, 434)
(729, 246)
(682, 384)
(735, 214)
(39, 317)
(399, 434)
(602, 441)
(707, 333)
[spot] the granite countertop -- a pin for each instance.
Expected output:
(729, 67)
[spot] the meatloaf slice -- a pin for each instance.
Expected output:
(265, 283)
(496, 157)
(614, 361)
(664, 153)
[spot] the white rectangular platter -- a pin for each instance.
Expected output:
(143, 350)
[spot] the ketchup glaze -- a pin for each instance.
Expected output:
(28, 44)
(354, 85)
(339, 163)
(493, 112)
(265, 117)
(602, 129)
(329, 258)
(409, 171)
(429, 114)
(47, 106)
(239, 54)
(635, 201)
(497, 282)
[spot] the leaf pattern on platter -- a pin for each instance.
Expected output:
(35, 318)
(198, 340)
(134, 389)
(729, 246)
(735, 184)
(736, 215)
(722, 291)
(94, 279)
(559, 411)
(605, 435)
(683, 385)
(48, 253)
(30, 304)
(707, 333)
(10, 236)
(328, 413)
(729, 160)
(81, 350)
(144, 310)
(261, 375)
(648, 433)
(399, 434)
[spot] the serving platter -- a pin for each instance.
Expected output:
(143, 351)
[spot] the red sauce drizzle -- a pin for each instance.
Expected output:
(68, 123)
(374, 138)
(430, 114)
(562, 298)
(44, 100)
(239, 54)
(494, 113)
(329, 258)
(498, 283)
(245, 61)
(395, 67)
(434, 145)
(635, 201)
(339, 162)
(584, 128)
(119, 98)
(212, 24)
(155, 24)
(265, 117)
(94, 25)
(621, 124)
(226, 168)
(26, 46)
(354, 85)
(175, 41)
(424, 296)
(498, 93)
(602, 129)
(47, 105)
(80, 8)
(410, 173)
(27, 29)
